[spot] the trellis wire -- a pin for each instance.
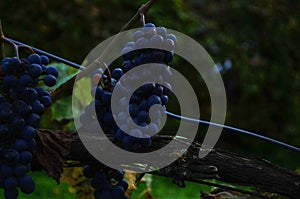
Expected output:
(170, 114)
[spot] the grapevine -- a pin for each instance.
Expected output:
(23, 100)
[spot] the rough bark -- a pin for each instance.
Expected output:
(218, 164)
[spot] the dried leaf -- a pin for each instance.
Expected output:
(52, 149)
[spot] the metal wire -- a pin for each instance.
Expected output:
(172, 115)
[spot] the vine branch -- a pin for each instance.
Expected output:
(221, 165)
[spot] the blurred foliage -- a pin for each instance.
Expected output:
(46, 188)
(254, 43)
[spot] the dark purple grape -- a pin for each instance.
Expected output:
(26, 184)
(50, 80)
(34, 59)
(52, 70)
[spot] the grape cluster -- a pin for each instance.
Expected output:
(107, 184)
(21, 104)
(152, 45)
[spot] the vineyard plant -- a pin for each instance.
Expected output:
(47, 48)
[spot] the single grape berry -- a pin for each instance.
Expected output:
(52, 70)
(34, 59)
(26, 184)
(50, 80)
(44, 60)
(28, 132)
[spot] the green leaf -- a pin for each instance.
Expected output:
(62, 109)
(65, 73)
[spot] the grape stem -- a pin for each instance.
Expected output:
(15, 46)
(108, 73)
(142, 19)
(2, 43)
(95, 64)
(26, 48)
(4, 40)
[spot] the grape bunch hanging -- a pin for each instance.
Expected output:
(22, 101)
(135, 53)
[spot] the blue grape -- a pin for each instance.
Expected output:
(26, 184)
(20, 145)
(172, 37)
(138, 34)
(25, 157)
(10, 183)
(143, 105)
(28, 132)
(152, 129)
(142, 43)
(161, 31)
(25, 80)
(118, 192)
(136, 133)
(117, 73)
(15, 62)
(106, 195)
(20, 170)
(10, 80)
(31, 144)
(153, 99)
(143, 116)
(108, 119)
(46, 101)
(50, 80)
(6, 171)
(120, 134)
(34, 70)
(52, 70)
(128, 53)
(127, 65)
(146, 142)
(11, 156)
(44, 60)
(124, 184)
(11, 193)
(88, 171)
(22, 108)
(149, 25)
(127, 141)
(158, 90)
(97, 93)
(33, 120)
(156, 41)
(37, 107)
(106, 97)
(30, 95)
(17, 123)
(133, 110)
(34, 59)
(164, 99)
